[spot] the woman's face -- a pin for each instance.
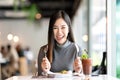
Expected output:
(60, 31)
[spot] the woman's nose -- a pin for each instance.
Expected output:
(59, 30)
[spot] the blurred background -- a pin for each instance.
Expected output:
(24, 26)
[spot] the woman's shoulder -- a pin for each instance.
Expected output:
(76, 46)
(43, 48)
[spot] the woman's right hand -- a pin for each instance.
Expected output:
(45, 65)
(77, 65)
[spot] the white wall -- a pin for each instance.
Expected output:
(30, 34)
(79, 25)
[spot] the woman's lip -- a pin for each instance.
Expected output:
(59, 38)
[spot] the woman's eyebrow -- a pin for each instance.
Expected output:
(63, 25)
(55, 26)
(60, 25)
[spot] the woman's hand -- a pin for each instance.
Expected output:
(45, 65)
(77, 65)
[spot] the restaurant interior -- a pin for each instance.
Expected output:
(24, 26)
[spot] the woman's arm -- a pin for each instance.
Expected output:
(41, 55)
(77, 62)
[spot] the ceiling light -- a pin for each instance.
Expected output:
(16, 39)
(10, 37)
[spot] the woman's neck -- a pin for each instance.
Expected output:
(63, 45)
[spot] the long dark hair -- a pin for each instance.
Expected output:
(59, 14)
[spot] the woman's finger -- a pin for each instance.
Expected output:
(45, 64)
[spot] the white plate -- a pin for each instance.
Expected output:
(59, 75)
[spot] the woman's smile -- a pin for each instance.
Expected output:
(59, 37)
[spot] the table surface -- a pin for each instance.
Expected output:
(100, 77)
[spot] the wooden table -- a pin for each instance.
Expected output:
(100, 77)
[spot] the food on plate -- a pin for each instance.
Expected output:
(64, 72)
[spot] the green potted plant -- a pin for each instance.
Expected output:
(86, 63)
(31, 9)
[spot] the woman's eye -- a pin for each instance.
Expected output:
(54, 27)
(63, 27)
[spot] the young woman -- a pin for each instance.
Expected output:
(61, 53)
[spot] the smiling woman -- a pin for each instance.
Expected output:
(61, 49)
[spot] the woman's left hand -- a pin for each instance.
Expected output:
(77, 65)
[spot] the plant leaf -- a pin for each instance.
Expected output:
(84, 55)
